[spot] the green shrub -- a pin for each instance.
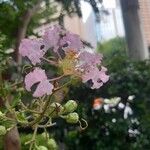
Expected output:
(126, 78)
(112, 47)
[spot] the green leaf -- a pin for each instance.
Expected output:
(16, 100)
(21, 118)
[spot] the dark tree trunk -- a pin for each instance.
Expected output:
(137, 48)
(12, 140)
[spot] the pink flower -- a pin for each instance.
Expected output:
(72, 41)
(43, 88)
(89, 59)
(38, 76)
(82, 64)
(52, 37)
(33, 49)
(97, 76)
(104, 78)
(88, 66)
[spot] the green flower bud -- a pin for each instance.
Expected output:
(70, 106)
(42, 148)
(2, 130)
(52, 144)
(44, 135)
(55, 109)
(72, 118)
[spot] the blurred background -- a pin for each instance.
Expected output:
(118, 114)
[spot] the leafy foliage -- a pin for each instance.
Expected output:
(112, 47)
(126, 78)
(15, 10)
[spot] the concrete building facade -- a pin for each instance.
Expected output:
(144, 6)
(110, 26)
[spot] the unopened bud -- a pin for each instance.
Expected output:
(70, 106)
(55, 109)
(52, 144)
(45, 135)
(72, 118)
(2, 130)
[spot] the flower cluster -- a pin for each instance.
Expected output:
(70, 57)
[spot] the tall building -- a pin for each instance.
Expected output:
(110, 25)
(144, 6)
(85, 26)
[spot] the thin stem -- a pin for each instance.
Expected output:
(38, 119)
(25, 68)
(32, 111)
(47, 125)
(54, 110)
(62, 86)
(59, 55)
(17, 83)
(47, 135)
(57, 78)
(10, 119)
(29, 110)
(33, 138)
(53, 63)
(81, 126)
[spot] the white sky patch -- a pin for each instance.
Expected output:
(86, 10)
(109, 4)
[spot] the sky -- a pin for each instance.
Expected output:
(86, 8)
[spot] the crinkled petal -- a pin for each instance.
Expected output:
(52, 37)
(88, 59)
(43, 88)
(90, 74)
(96, 85)
(72, 41)
(37, 75)
(97, 76)
(103, 76)
(34, 49)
